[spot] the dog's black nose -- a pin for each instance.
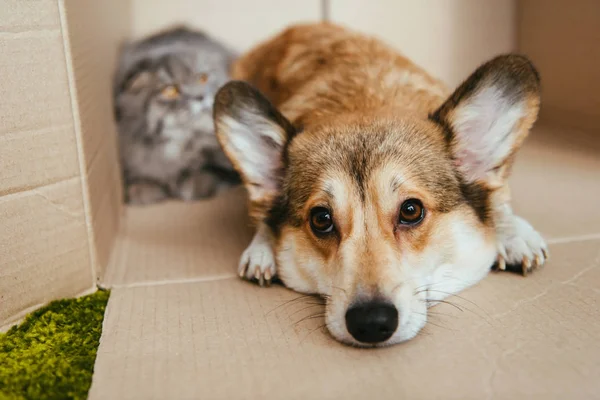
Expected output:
(372, 322)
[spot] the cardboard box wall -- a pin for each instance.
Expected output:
(177, 311)
(60, 192)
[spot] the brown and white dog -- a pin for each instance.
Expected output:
(369, 184)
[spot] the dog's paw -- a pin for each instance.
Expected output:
(258, 263)
(523, 247)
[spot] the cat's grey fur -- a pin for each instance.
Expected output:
(167, 145)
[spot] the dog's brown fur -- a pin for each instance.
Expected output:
(368, 129)
(329, 70)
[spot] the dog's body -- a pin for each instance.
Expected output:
(368, 184)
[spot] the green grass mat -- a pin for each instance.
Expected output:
(51, 354)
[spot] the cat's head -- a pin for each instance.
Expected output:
(175, 93)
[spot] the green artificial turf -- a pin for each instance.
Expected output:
(51, 354)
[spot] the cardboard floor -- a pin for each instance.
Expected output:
(181, 325)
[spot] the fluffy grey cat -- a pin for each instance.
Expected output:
(164, 92)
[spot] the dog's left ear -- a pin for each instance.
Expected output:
(253, 134)
(487, 118)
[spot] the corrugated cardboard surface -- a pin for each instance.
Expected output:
(178, 241)
(44, 253)
(96, 30)
(44, 247)
(188, 329)
(525, 338)
(36, 131)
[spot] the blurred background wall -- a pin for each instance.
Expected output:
(447, 37)
(240, 23)
(562, 38)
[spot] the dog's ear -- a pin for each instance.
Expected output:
(253, 134)
(487, 118)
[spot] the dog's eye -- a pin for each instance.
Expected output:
(411, 212)
(321, 221)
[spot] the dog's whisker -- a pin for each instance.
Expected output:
(306, 308)
(463, 308)
(432, 314)
(484, 317)
(449, 295)
(312, 331)
(309, 317)
(440, 326)
(317, 304)
(341, 290)
(288, 302)
(422, 332)
(420, 289)
(435, 314)
(462, 298)
(398, 286)
(316, 316)
(447, 302)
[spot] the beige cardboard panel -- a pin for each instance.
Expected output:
(95, 33)
(34, 76)
(515, 337)
(105, 231)
(34, 158)
(96, 30)
(448, 38)
(239, 23)
(556, 183)
(44, 252)
(22, 17)
(106, 204)
(178, 241)
(562, 37)
(37, 143)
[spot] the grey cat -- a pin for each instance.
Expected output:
(164, 92)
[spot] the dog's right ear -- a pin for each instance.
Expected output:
(253, 134)
(487, 118)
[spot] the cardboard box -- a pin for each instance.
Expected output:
(179, 324)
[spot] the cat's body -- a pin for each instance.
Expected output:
(164, 91)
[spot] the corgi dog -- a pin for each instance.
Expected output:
(369, 183)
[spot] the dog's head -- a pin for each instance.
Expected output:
(382, 214)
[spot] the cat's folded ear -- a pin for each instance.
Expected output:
(140, 75)
(253, 134)
(487, 118)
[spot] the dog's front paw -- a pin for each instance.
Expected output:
(258, 262)
(521, 246)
